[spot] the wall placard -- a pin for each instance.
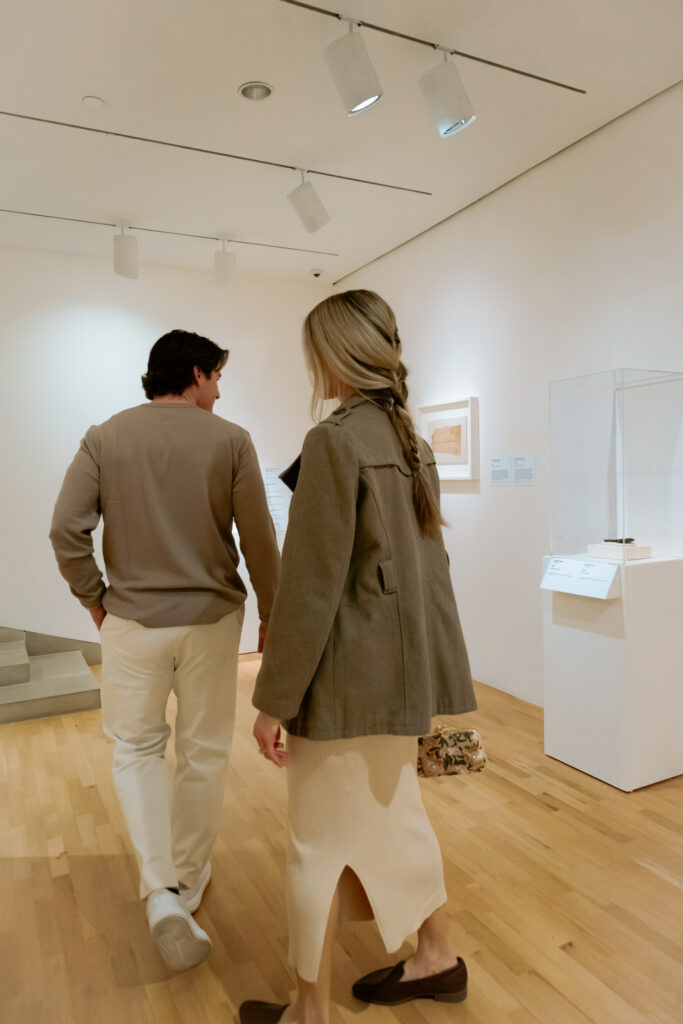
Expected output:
(499, 470)
(278, 498)
(524, 470)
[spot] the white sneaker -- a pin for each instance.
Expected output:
(192, 894)
(181, 942)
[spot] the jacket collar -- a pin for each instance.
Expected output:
(290, 475)
(350, 402)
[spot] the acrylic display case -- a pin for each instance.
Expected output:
(617, 464)
(613, 642)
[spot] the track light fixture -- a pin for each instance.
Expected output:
(224, 265)
(359, 86)
(126, 255)
(308, 206)
(351, 68)
(446, 98)
(126, 251)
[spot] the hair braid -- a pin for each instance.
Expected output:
(394, 399)
(351, 338)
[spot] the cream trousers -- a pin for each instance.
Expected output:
(172, 822)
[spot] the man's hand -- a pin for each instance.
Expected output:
(98, 615)
(267, 731)
(262, 630)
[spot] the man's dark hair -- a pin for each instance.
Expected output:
(170, 369)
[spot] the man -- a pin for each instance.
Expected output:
(168, 479)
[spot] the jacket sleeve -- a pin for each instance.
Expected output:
(315, 564)
(76, 515)
(255, 527)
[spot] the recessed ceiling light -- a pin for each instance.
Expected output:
(93, 101)
(255, 90)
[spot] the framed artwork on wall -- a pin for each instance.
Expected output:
(452, 431)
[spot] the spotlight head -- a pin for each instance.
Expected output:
(447, 100)
(126, 255)
(308, 207)
(353, 73)
(224, 266)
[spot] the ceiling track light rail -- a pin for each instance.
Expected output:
(359, 23)
(161, 231)
(210, 152)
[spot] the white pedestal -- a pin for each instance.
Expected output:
(614, 677)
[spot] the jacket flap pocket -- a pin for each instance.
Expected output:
(388, 576)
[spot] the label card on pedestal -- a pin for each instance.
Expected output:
(587, 579)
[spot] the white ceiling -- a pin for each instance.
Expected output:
(170, 71)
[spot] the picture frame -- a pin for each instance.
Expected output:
(452, 431)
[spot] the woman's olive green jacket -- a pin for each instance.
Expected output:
(364, 636)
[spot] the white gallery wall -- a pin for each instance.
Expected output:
(74, 341)
(574, 268)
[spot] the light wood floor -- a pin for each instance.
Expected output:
(565, 894)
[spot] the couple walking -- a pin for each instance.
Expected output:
(359, 631)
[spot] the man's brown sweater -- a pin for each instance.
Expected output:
(168, 480)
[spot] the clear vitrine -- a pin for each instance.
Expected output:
(617, 464)
(613, 643)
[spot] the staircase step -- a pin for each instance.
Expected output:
(59, 684)
(14, 663)
(7, 634)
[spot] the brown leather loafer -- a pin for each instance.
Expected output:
(386, 988)
(255, 1012)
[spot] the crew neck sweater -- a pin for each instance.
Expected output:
(169, 481)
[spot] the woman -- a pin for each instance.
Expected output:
(364, 645)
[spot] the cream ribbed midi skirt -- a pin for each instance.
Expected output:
(356, 803)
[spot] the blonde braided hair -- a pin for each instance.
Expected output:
(351, 338)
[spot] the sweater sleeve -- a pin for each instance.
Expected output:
(255, 527)
(76, 515)
(315, 564)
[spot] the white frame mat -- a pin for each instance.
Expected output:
(462, 418)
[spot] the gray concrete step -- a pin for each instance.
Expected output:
(14, 663)
(59, 684)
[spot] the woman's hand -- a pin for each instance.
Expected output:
(267, 731)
